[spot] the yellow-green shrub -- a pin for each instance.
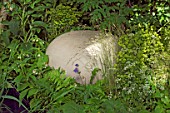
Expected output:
(139, 66)
(61, 19)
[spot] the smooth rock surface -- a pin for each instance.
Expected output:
(76, 47)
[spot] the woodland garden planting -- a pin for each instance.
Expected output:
(139, 81)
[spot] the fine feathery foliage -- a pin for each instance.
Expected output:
(105, 58)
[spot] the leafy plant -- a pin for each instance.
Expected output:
(140, 82)
(61, 19)
(22, 61)
(114, 106)
(138, 65)
(150, 12)
(72, 107)
(54, 87)
(90, 96)
(162, 101)
(108, 14)
(47, 90)
(164, 32)
(27, 19)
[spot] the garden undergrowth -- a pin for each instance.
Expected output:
(141, 73)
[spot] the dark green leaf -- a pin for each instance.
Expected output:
(23, 86)
(94, 73)
(23, 94)
(159, 109)
(31, 92)
(14, 26)
(5, 37)
(72, 107)
(35, 103)
(39, 24)
(26, 46)
(18, 79)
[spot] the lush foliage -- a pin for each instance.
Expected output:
(108, 14)
(139, 82)
(141, 68)
(21, 63)
(27, 19)
(115, 15)
(153, 12)
(62, 18)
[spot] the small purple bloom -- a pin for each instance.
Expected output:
(76, 70)
(77, 65)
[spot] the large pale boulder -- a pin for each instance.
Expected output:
(79, 52)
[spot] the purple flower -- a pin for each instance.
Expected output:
(76, 70)
(77, 65)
